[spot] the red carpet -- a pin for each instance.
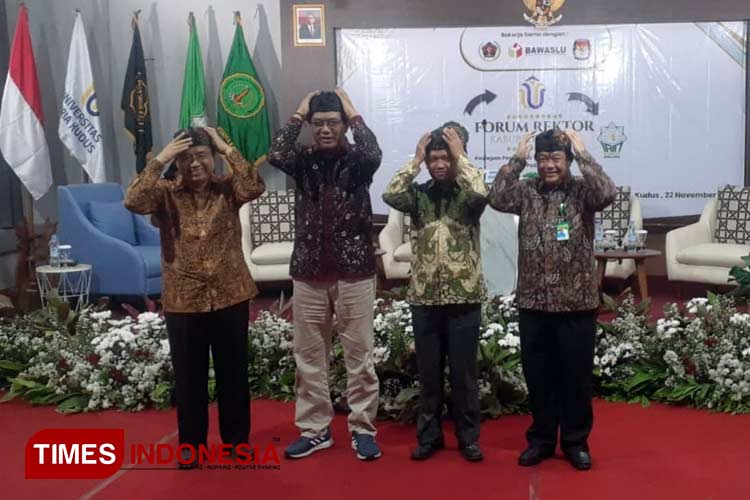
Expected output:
(639, 453)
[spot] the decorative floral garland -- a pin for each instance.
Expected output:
(698, 355)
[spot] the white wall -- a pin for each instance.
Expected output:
(164, 31)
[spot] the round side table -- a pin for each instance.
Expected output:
(69, 282)
(639, 257)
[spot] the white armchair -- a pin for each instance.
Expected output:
(693, 254)
(395, 240)
(268, 235)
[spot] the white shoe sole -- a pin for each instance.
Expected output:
(321, 446)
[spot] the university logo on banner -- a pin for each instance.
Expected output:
(531, 93)
(612, 138)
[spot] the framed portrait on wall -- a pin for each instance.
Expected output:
(309, 25)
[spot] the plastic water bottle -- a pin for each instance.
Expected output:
(598, 235)
(631, 238)
(54, 251)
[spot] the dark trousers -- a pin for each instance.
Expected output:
(450, 331)
(191, 335)
(557, 353)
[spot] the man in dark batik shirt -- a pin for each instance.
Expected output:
(557, 287)
(333, 266)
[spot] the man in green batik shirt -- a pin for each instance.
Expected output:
(447, 286)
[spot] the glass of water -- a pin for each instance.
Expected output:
(642, 235)
(65, 255)
(610, 239)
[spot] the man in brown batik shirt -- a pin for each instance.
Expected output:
(557, 287)
(207, 285)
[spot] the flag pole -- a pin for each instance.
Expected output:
(28, 212)
(26, 267)
(86, 178)
(27, 203)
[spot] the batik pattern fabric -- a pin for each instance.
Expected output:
(555, 275)
(333, 211)
(203, 268)
(447, 264)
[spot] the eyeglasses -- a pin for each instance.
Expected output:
(188, 159)
(333, 122)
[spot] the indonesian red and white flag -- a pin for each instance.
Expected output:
(22, 141)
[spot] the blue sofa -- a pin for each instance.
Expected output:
(123, 248)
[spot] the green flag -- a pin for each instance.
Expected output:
(242, 113)
(193, 108)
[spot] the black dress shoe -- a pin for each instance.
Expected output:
(579, 459)
(425, 451)
(188, 459)
(472, 453)
(534, 455)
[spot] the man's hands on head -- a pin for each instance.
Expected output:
(420, 152)
(304, 106)
(219, 143)
(523, 150)
(576, 142)
(455, 144)
(349, 110)
(178, 145)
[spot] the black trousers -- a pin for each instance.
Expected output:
(450, 331)
(191, 335)
(557, 353)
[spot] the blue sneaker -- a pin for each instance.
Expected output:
(365, 446)
(305, 446)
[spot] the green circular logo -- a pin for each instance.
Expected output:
(242, 96)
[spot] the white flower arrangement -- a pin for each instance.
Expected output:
(697, 354)
(108, 363)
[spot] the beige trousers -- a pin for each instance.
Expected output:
(315, 303)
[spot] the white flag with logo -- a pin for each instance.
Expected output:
(79, 129)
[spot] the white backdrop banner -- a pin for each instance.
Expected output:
(661, 106)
